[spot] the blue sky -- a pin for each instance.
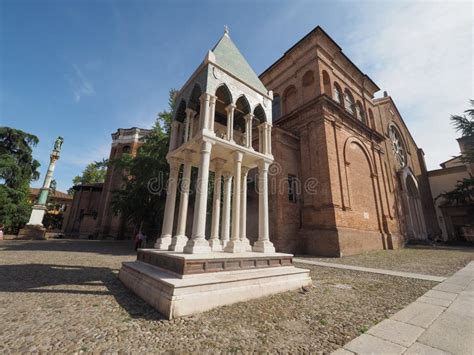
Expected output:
(82, 69)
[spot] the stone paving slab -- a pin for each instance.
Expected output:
(419, 314)
(372, 270)
(439, 322)
(396, 332)
(422, 349)
(369, 344)
(451, 332)
(435, 301)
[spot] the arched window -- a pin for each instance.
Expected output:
(289, 99)
(308, 86)
(349, 102)
(181, 111)
(126, 149)
(194, 101)
(371, 119)
(276, 107)
(360, 112)
(326, 83)
(398, 148)
(337, 94)
(223, 99)
(308, 78)
(242, 108)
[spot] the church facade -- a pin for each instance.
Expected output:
(347, 175)
(355, 177)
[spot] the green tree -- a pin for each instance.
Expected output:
(142, 196)
(17, 170)
(92, 174)
(463, 193)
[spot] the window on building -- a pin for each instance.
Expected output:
(292, 188)
(360, 112)
(126, 149)
(276, 107)
(326, 83)
(349, 102)
(337, 94)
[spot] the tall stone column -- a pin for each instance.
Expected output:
(204, 118)
(212, 112)
(263, 243)
(180, 239)
(214, 242)
(34, 228)
(174, 143)
(164, 241)
(235, 245)
(198, 243)
(225, 224)
(188, 129)
(243, 211)
(230, 121)
(248, 130)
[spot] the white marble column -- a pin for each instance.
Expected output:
(204, 117)
(263, 243)
(230, 121)
(248, 130)
(212, 112)
(198, 243)
(214, 242)
(174, 143)
(225, 223)
(164, 241)
(188, 124)
(235, 245)
(243, 211)
(180, 239)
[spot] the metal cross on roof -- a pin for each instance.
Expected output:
(226, 29)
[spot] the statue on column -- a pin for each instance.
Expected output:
(34, 229)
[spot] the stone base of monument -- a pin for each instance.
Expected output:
(178, 284)
(32, 232)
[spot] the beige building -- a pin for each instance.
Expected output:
(456, 223)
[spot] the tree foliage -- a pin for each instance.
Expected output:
(463, 193)
(92, 174)
(17, 170)
(143, 194)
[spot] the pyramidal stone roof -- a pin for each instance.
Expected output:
(229, 58)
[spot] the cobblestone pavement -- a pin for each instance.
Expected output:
(64, 296)
(438, 261)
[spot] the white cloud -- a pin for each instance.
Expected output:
(80, 85)
(422, 54)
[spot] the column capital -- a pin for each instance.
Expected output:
(230, 108)
(218, 163)
(238, 156)
(212, 99)
(205, 96)
(263, 165)
(174, 163)
(245, 170)
(190, 112)
(227, 175)
(249, 116)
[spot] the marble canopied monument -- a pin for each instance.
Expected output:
(220, 109)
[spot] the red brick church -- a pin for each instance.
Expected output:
(348, 176)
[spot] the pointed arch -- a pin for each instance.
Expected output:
(259, 114)
(181, 111)
(194, 100)
(242, 108)
(223, 95)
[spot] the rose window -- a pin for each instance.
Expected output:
(397, 146)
